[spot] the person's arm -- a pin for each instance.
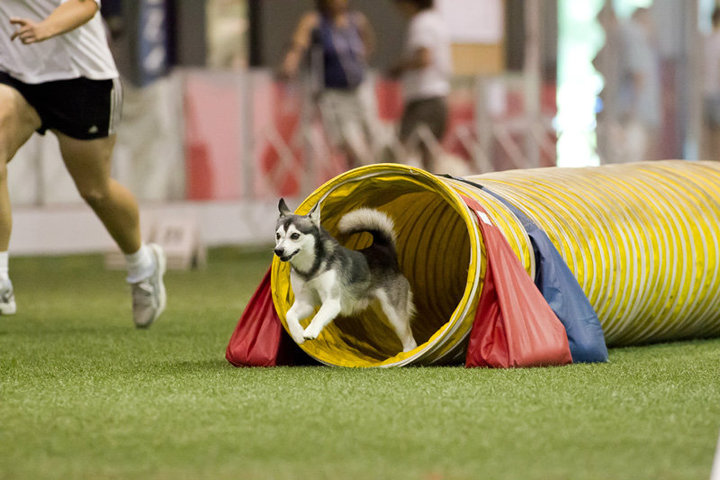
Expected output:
(420, 39)
(367, 34)
(420, 58)
(66, 17)
(298, 45)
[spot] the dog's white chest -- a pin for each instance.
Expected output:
(327, 286)
(319, 288)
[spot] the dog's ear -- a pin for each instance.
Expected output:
(284, 210)
(314, 214)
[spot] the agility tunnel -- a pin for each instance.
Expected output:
(618, 255)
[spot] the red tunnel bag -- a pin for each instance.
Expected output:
(257, 338)
(514, 326)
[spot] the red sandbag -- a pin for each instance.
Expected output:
(258, 337)
(514, 326)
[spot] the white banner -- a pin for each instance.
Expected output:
(473, 21)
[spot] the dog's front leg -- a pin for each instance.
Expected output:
(299, 310)
(327, 313)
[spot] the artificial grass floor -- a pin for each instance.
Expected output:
(84, 395)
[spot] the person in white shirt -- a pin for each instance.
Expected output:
(424, 69)
(57, 74)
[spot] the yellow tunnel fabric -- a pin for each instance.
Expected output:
(641, 239)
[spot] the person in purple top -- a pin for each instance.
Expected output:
(337, 43)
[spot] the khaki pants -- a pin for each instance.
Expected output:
(346, 121)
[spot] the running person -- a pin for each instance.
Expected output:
(57, 74)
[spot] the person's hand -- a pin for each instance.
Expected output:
(28, 31)
(394, 72)
(282, 75)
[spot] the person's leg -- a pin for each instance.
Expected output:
(408, 122)
(355, 132)
(18, 121)
(88, 162)
(711, 128)
(342, 126)
(328, 108)
(406, 133)
(435, 116)
(421, 129)
(714, 144)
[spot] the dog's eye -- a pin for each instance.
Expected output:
(277, 236)
(295, 236)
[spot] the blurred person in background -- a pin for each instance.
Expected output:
(339, 42)
(639, 92)
(57, 74)
(609, 62)
(711, 91)
(227, 28)
(424, 70)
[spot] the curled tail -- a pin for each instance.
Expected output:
(378, 224)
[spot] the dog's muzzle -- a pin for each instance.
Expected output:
(282, 256)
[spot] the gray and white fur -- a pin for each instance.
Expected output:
(339, 280)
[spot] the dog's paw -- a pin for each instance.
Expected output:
(409, 345)
(311, 333)
(297, 335)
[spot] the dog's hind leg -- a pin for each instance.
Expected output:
(399, 319)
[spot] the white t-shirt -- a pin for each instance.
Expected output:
(428, 29)
(82, 52)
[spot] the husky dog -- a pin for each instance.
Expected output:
(338, 280)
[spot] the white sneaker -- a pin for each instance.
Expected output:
(148, 296)
(7, 299)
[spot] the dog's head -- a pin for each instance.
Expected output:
(295, 233)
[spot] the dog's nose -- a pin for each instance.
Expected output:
(278, 252)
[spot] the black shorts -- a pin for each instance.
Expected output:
(80, 108)
(431, 112)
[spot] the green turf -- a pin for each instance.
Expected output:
(86, 396)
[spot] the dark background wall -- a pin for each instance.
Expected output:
(515, 36)
(272, 23)
(188, 34)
